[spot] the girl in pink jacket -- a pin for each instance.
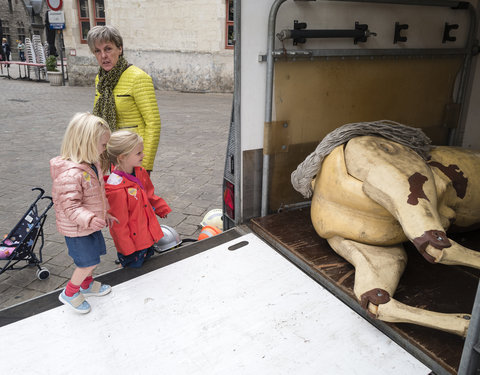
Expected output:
(81, 206)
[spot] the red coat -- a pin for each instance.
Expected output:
(134, 208)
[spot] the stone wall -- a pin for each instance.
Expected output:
(190, 72)
(15, 17)
(81, 70)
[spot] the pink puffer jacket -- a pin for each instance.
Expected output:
(78, 195)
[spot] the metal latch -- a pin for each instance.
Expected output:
(299, 34)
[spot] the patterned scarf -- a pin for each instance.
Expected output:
(105, 105)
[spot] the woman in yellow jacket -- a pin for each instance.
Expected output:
(124, 96)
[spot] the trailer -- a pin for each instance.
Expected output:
(303, 69)
(269, 295)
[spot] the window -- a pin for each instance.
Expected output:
(21, 32)
(229, 40)
(98, 8)
(99, 12)
(6, 30)
(84, 19)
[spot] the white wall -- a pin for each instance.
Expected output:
(254, 25)
(170, 25)
(180, 43)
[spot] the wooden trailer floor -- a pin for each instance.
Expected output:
(434, 287)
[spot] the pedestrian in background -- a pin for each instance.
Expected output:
(6, 49)
(78, 193)
(125, 96)
(132, 200)
(21, 50)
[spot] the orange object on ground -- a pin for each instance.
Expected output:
(208, 231)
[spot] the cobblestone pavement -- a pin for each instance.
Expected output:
(187, 173)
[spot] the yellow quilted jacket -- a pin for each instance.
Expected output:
(137, 109)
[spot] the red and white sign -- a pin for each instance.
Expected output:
(55, 4)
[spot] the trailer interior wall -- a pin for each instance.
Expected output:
(471, 137)
(254, 26)
(299, 82)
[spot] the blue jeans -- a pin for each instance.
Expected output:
(136, 259)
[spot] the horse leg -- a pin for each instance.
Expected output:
(377, 272)
(453, 255)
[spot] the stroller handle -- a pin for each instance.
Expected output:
(41, 192)
(41, 196)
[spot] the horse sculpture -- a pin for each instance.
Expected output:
(372, 193)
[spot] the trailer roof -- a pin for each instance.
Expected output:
(247, 310)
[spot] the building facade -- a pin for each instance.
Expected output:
(184, 45)
(21, 19)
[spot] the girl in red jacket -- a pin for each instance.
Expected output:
(130, 193)
(81, 205)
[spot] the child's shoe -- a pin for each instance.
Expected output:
(96, 289)
(76, 302)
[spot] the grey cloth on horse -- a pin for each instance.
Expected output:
(406, 135)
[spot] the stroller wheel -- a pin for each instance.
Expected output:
(43, 273)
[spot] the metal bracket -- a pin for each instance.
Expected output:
(364, 30)
(446, 32)
(398, 29)
(299, 26)
(299, 34)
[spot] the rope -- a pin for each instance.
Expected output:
(394, 131)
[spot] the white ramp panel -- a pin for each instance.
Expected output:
(248, 311)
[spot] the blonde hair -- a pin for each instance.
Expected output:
(80, 142)
(122, 142)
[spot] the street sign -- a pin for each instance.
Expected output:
(55, 4)
(57, 26)
(56, 19)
